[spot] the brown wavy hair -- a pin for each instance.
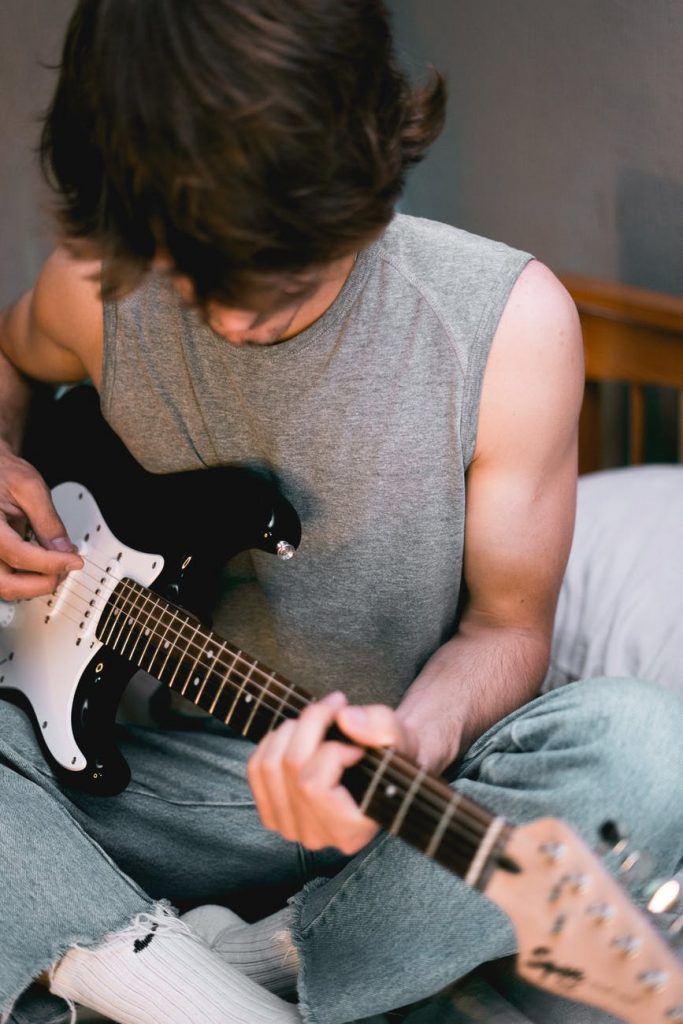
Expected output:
(247, 139)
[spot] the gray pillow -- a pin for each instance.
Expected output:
(620, 611)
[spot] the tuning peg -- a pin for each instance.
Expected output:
(662, 895)
(654, 980)
(674, 933)
(612, 841)
(629, 945)
(635, 869)
(554, 851)
(601, 912)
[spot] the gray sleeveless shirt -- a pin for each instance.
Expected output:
(367, 420)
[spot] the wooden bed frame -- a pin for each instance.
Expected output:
(633, 336)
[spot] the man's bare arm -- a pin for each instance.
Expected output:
(520, 513)
(15, 399)
(53, 333)
(521, 492)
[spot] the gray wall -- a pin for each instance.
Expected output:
(564, 132)
(30, 37)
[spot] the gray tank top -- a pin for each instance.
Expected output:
(367, 420)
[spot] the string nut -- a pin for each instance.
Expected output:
(663, 895)
(629, 862)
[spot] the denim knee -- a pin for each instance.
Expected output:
(598, 750)
(641, 725)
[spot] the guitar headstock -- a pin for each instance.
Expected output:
(579, 935)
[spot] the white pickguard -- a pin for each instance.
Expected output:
(44, 647)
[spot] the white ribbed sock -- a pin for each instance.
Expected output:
(264, 951)
(158, 971)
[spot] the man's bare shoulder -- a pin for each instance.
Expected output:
(55, 331)
(68, 307)
(534, 376)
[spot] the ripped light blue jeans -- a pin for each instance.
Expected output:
(382, 929)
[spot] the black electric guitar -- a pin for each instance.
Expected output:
(68, 657)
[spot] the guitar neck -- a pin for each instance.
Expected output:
(175, 648)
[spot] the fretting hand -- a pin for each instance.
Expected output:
(295, 772)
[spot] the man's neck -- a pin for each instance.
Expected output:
(317, 304)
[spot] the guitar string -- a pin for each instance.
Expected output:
(480, 818)
(235, 656)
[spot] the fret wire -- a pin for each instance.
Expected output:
(240, 691)
(198, 696)
(152, 633)
(134, 613)
(116, 625)
(443, 824)
(113, 598)
(105, 625)
(172, 645)
(143, 626)
(250, 721)
(485, 848)
(220, 689)
(193, 668)
(181, 659)
(407, 800)
(122, 610)
(374, 782)
(160, 643)
(277, 713)
(115, 610)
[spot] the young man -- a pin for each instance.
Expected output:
(233, 280)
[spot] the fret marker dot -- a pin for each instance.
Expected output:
(195, 681)
(147, 632)
(167, 643)
(210, 654)
(248, 699)
(390, 791)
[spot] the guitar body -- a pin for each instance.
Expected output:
(170, 533)
(71, 683)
